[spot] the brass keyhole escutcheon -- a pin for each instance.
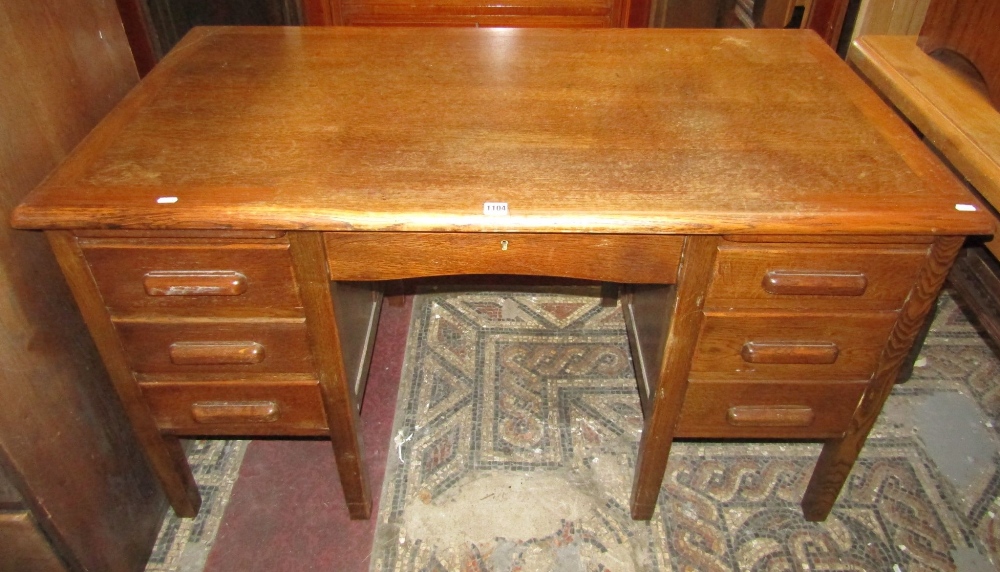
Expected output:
(503, 245)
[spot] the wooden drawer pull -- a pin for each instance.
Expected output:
(216, 353)
(794, 283)
(235, 411)
(770, 416)
(790, 352)
(194, 283)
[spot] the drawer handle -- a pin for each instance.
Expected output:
(216, 353)
(770, 416)
(194, 283)
(235, 411)
(793, 283)
(790, 353)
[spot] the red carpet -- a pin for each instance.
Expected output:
(286, 510)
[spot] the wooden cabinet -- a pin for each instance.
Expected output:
(479, 13)
(825, 17)
(76, 492)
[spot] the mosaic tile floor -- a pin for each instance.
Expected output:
(542, 484)
(184, 543)
(516, 430)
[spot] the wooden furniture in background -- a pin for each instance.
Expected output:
(685, 13)
(153, 27)
(76, 492)
(825, 17)
(969, 28)
(950, 105)
(890, 18)
(784, 233)
(759, 13)
(137, 27)
(479, 13)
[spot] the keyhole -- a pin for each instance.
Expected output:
(503, 245)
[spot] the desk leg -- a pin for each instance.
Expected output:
(309, 261)
(838, 455)
(164, 452)
(666, 398)
(609, 294)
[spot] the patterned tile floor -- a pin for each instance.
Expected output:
(184, 543)
(517, 425)
(516, 428)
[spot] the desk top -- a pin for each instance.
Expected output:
(618, 131)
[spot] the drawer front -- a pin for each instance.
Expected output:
(178, 278)
(609, 258)
(220, 346)
(480, 20)
(789, 345)
(807, 410)
(538, 13)
(785, 276)
(237, 408)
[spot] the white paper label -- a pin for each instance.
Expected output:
(495, 209)
(166, 200)
(965, 208)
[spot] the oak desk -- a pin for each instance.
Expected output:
(783, 230)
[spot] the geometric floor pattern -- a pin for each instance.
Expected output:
(516, 431)
(184, 543)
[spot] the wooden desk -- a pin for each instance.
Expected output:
(784, 232)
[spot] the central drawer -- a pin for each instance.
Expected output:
(601, 257)
(479, 13)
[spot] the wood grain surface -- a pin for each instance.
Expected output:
(618, 131)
